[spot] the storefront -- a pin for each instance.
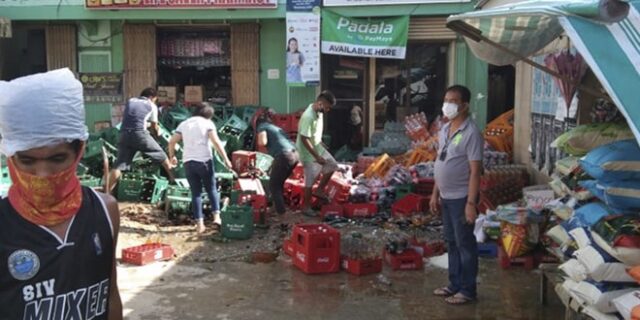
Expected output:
(215, 50)
(390, 88)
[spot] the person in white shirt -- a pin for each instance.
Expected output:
(198, 134)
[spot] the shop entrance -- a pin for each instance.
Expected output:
(415, 84)
(346, 77)
(24, 53)
(196, 62)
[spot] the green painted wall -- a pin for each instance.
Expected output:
(473, 73)
(274, 92)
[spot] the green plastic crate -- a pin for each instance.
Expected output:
(237, 222)
(154, 189)
(130, 188)
(234, 126)
(90, 181)
(403, 189)
(110, 135)
(178, 193)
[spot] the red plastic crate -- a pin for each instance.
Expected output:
(430, 249)
(409, 259)
(288, 247)
(317, 248)
(410, 204)
(338, 189)
(297, 173)
(360, 210)
(146, 253)
(243, 160)
(424, 186)
(294, 120)
(361, 267)
(293, 193)
(527, 261)
(282, 121)
(331, 209)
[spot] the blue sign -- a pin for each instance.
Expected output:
(302, 5)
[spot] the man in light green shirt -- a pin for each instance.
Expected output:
(313, 154)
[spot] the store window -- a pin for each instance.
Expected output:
(196, 57)
(415, 84)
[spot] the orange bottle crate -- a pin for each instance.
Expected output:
(380, 166)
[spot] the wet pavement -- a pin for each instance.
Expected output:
(240, 290)
(216, 280)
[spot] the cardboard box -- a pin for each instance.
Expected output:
(167, 95)
(193, 94)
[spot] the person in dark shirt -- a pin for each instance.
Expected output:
(283, 151)
(135, 137)
(57, 238)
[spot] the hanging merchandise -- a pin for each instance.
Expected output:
(571, 66)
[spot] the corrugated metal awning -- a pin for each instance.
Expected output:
(605, 32)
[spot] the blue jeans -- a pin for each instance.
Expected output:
(462, 247)
(199, 175)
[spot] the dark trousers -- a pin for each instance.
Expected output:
(462, 247)
(283, 165)
(202, 175)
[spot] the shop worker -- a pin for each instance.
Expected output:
(57, 238)
(285, 156)
(140, 113)
(457, 175)
(198, 134)
(314, 155)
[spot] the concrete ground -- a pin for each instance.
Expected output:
(207, 281)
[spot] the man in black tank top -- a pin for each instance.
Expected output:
(57, 239)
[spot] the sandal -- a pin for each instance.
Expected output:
(443, 292)
(458, 299)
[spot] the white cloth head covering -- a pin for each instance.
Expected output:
(41, 110)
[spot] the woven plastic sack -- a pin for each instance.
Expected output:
(614, 161)
(41, 110)
(582, 139)
(518, 240)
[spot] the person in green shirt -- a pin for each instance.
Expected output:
(313, 153)
(284, 153)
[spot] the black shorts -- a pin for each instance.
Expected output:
(134, 141)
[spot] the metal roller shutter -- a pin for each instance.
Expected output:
(139, 58)
(245, 63)
(430, 28)
(61, 47)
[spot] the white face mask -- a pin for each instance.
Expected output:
(450, 110)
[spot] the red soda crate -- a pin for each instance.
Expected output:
(293, 193)
(317, 248)
(331, 209)
(361, 267)
(282, 121)
(297, 173)
(294, 120)
(429, 249)
(360, 210)
(338, 189)
(288, 247)
(409, 259)
(242, 160)
(424, 186)
(146, 253)
(259, 204)
(410, 204)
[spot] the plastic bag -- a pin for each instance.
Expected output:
(41, 110)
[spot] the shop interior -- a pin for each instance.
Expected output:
(24, 53)
(195, 57)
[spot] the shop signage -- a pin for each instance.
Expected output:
(380, 38)
(302, 5)
(336, 3)
(303, 48)
(102, 87)
(180, 4)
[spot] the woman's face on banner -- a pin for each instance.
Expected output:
(293, 45)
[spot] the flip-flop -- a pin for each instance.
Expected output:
(458, 299)
(443, 292)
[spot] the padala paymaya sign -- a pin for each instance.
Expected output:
(380, 38)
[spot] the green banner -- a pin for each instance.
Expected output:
(380, 38)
